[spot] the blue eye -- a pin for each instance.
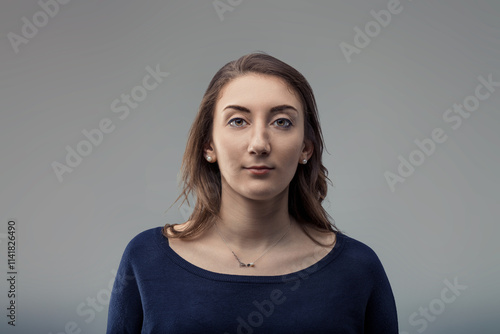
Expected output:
(283, 123)
(237, 122)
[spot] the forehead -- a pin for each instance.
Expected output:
(258, 91)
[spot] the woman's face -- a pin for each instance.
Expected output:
(258, 137)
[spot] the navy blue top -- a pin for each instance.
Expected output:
(157, 291)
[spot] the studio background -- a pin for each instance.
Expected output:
(377, 94)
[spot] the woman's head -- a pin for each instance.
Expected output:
(307, 183)
(257, 138)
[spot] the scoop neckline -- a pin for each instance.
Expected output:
(164, 244)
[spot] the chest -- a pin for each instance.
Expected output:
(305, 304)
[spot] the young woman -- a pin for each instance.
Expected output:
(259, 253)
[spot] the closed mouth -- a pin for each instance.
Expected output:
(259, 167)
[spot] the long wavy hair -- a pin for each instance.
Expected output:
(308, 188)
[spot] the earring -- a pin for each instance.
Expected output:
(304, 161)
(209, 158)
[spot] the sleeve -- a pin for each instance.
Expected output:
(381, 315)
(125, 313)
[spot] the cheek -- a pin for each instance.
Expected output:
(229, 152)
(291, 149)
(225, 145)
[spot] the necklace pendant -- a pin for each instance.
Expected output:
(247, 265)
(251, 264)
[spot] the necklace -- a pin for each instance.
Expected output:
(251, 264)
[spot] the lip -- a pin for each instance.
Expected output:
(259, 170)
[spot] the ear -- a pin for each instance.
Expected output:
(209, 151)
(307, 150)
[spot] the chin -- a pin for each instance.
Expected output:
(265, 195)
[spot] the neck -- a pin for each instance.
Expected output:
(252, 224)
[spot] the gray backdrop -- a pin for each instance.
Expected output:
(408, 94)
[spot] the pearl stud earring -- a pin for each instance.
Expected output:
(209, 158)
(304, 161)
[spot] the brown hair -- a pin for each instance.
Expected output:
(308, 187)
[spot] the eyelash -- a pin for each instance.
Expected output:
(289, 122)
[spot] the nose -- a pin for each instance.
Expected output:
(259, 141)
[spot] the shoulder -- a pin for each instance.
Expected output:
(143, 242)
(358, 253)
(145, 236)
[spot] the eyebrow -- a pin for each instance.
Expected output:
(273, 109)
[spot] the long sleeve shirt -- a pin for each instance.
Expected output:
(158, 291)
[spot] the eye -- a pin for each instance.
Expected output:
(237, 122)
(283, 123)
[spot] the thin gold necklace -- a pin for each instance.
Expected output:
(251, 264)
